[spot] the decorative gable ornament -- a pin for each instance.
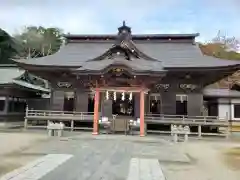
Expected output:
(64, 84)
(188, 86)
(162, 86)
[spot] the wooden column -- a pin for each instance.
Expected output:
(142, 110)
(96, 112)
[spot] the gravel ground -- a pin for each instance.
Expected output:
(11, 146)
(210, 161)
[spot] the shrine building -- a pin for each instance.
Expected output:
(130, 74)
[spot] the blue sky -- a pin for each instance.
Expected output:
(144, 16)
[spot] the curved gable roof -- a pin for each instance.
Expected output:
(175, 51)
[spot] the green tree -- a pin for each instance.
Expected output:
(8, 47)
(219, 50)
(39, 41)
(222, 47)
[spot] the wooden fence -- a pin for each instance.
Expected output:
(222, 124)
(70, 117)
(44, 116)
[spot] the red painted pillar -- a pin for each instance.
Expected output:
(96, 109)
(142, 110)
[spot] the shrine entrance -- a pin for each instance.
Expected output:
(123, 105)
(120, 103)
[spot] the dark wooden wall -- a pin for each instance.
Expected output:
(195, 104)
(57, 100)
(39, 103)
(168, 97)
(81, 100)
(168, 102)
(11, 91)
(106, 108)
(136, 105)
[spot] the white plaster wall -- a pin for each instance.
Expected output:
(234, 101)
(2, 98)
(224, 111)
(226, 107)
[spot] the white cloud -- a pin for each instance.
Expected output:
(104, 16)
(82, 16)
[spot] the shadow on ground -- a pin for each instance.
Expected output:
(232, 158)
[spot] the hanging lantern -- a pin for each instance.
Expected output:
(107, 95)
(123, 96)
(114, 96)
(130, 96)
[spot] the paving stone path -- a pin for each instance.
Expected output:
(139, 169)
(98, 159)
(142, 169)
(38, 168)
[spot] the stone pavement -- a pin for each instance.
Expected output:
(141, 169)
(104, 157)
(38, 168)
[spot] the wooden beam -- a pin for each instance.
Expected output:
(121, 89)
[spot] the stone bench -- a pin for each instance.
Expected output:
(177, 131)
(55, 128)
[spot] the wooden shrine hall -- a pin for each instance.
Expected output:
(131, 75)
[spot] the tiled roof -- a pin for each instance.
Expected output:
(181, 55)
(208, 92)
(10, 74)
(134, 36)
(171, 54)
(30, 86)
(72, 54)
